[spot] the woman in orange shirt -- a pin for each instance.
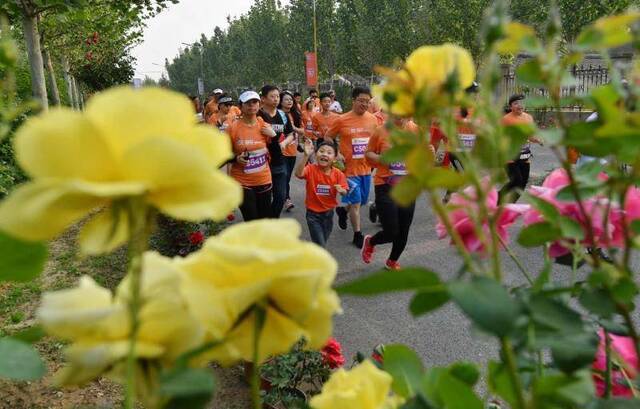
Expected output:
(288, 106)
(249, 138)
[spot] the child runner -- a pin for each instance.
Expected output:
(354, 130)
(323, 183)
(270, 98)
(396, 220)
(323, 120)
(250, 136)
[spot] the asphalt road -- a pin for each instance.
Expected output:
(440, 337)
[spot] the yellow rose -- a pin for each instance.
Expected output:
(363, 387)
(98, 325)
(261, 263)
(431, 66)
(403, 105)
(128, 143)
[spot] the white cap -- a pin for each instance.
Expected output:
(218, 91)
(248, 96)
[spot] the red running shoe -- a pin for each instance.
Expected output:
(392, 265)
(367, 249)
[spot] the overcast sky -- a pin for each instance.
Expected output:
(181, 23)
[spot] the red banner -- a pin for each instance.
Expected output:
(311, 68)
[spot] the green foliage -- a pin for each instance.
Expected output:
(20, 260)
(20, 361)
(187, 387)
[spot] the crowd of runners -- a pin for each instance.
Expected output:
(275, 135)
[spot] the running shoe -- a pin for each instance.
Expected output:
(367, 250)
(373, 213)
(358, 239)
(342, 217)
(392, 265)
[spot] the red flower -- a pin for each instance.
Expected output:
(231, 217)
(377, 357)
(332, 354)
(197, 237)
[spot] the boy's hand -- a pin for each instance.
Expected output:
(340, 189)
(308, 147)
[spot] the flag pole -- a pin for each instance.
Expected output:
(315, 46)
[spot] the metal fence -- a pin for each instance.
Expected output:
(585, 78)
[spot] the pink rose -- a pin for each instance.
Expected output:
(623, 352)
(462, 206)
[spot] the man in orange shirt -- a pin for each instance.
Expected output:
(354, 130)
(518, 169)
(211, 107)
(323, 120)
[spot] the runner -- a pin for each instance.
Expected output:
(288, 106)
(518, 169)
(323, 120)
(335, 104)
(354, 130)
(250, 136)
(323, 183)
(270, 97)
(226, 115)
(211, 107)
(376, 110)
(395, 220)
(307, 119)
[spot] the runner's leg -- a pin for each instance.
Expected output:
(388, 214)
(248, 208)
(316, 228)
(279, 180)
(264, 202)
(405, 218)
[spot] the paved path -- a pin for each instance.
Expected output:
(440, 337)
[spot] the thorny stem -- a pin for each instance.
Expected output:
(608, 364)
(255, 374)
(516, 382)
(139, 220)
(516, 260)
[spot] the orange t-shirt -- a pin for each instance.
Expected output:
(380, 143)
(322, 123)
(307, 124)
(381, 117)
(249, 138)
(354, 131)
(321, 191)
(211, 108)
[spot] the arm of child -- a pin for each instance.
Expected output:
(342, 187)
(299, 170)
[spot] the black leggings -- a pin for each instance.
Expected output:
(290, 161)
(396, 221)
(518, 172)
(256, 202)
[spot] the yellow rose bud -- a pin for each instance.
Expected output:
(128, 143)
(97, 324)
(261, 264)
(363, 387)
(432, 65)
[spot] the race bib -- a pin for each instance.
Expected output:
(359, 147)
(398, 168)
(278, 128)
(467, 141)
(323, 190)
(257, 161)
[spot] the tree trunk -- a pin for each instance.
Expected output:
(67, 81)
(32, 40)
(55, 94)
(76, 94)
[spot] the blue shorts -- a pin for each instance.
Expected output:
(359, 187)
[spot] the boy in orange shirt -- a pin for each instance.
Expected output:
(354, 130)
(323, 183)
(323, 120)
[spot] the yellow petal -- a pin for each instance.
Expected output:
(105, 232)
(127, 117)
(42, 209)
(87, 361)
(215, 145)
(181, 179)
(86, 311)
(319, 321)
(431, 65)
(63, 144)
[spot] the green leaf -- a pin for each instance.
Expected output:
(428, 300)
(30, 335)
(20, 260)
(456, 394)
(546, 209)
(551, 136)
(406, 368)
(635, 226)
(571, 228)
(530, 73)
(187, 382)
(574, 352)
(396, 154)
(598, 302)
(444, 178)
(616, 403)
(20, 361)
(563, 390)
(554, 315)
(566, 193)
(406, 191)
(487, 304)
(500, 382)
(387, 281)
(465, 372)
(624, 290)
(538, 234)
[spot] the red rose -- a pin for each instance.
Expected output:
(231, 217)
(377, 357)
(332, 354)
(197, 237)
